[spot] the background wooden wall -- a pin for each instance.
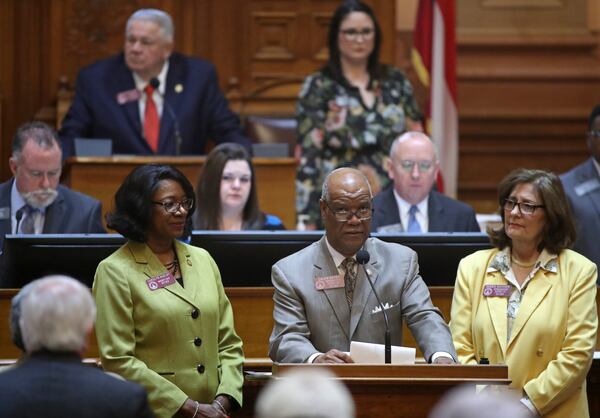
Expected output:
(528, 70)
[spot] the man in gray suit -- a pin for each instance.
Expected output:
(582, 185)
(323, 299)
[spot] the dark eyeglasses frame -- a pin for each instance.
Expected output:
(349, 215)
(177, 206)
(510, 204)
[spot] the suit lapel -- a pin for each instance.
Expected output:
(363, 290)
(591, 174)
(534, 294)
(151, 266)
(497, 309)
(392, 213)
(435, 214)
(5, 205)
(124, 82)
(173, 99)
(324, 266)
(55, 214)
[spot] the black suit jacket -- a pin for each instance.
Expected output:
(72, 212)
(192, 91)
(59, 385)
(582, 186)
(445, 214)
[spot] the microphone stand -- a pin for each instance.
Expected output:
(362, 257)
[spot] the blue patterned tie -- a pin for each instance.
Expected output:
(413, 225)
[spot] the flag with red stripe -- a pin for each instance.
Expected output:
(434, 60)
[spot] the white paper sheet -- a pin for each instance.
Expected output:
(375, 353)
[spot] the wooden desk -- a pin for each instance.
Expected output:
(391, 390)
(100, 177)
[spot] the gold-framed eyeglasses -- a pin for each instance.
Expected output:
(524, 207)
(354, 34)
(423, 165)
(172, 207)
(364, 213)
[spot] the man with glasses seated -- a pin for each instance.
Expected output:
(33, 201)
(323, 300)
(410, 204)
(582, 185)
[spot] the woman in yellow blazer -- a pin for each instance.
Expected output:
(163, 319)
(530, 302)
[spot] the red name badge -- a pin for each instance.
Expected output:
(495, 290)
(161, 281)
(128, 96)
(329, 282)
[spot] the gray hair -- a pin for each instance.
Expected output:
(42, 134)
(161, 18)
(325, 187)
(463, 402)
(15, 315)
(57, 314)
(307, 393)
(409, 135)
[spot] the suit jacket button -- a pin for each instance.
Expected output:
(200, 368)
(540, 352)
(197, 341)
(195, 313)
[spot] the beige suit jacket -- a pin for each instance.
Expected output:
(554, 334)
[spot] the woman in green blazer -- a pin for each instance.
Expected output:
(163, 319)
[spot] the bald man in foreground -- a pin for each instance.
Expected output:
(323, 299)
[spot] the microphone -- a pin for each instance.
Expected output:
(362, 258)
(18, 217)
(155, 82)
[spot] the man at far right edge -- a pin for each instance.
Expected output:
(582, 185)
(410, 204)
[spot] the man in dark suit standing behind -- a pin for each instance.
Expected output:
(410, 204)
(33, 202)
(148, 99)
(57, 316)
(582, 185)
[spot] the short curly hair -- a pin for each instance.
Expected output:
(132, 212)
(559, 231)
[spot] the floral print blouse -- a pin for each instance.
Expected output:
(336, 129)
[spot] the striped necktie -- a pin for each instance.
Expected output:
(349, 265)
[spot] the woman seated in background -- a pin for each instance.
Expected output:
(163, 318)
(350, 112)
(530, 302)
(226, 193)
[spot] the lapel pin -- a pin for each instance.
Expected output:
(178, 88)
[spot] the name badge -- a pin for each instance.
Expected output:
(128, 96)
(497, 290)
(329, 282)
(158, 282)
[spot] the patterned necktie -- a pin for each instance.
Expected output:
(349, 265)
(413, 225)
(28, 223)
(151, 122)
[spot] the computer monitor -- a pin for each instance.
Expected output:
(29, 257)
(245, 258)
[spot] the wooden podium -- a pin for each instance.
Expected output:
(100, 177)
(389, 391)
